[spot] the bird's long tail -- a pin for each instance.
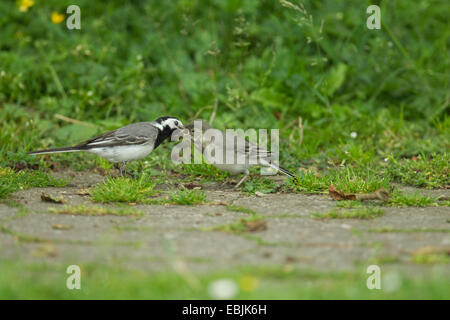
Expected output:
(282, 170)
(55, 150)
(287, 172)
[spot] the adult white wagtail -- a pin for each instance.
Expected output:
(132, 142)
(242, 151)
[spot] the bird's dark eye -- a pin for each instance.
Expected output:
(176, 123)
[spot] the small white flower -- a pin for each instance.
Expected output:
(3, 73)
(223, 289)
(386, 159)
(90, 93)
(139, 57)
(353, 135)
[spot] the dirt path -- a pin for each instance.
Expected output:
(167, 233)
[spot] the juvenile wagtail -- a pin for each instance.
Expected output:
(132, 142)
(241, 149)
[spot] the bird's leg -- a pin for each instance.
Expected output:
(118, 167)
(123, 168)
(242, 180)
(124, 171)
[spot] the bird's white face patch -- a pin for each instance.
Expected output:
(172, 123)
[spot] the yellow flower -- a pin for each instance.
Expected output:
(58, 17)
(24, 5)
(248, 283)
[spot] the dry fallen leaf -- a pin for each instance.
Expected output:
(83, 192)
(380, 194)
(191, 186)
(254, 226)
(219, 203)
(340, 195)
(49, 198)
(61, 227)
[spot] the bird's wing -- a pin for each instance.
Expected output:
(243, 146)
(133, 134)
(235, 147)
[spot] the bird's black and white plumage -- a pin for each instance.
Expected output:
(132, 142)
(244, 153)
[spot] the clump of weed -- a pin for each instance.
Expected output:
(348, 179)
(187, 197)
(252, 224)
(310, 181)
(11, 181)
(257, 184)
(96, 211)
(431, 255)
(206, 171)
(235, 208)
(411, 230)
(400, 199)
(349, 204)
(357, 213)
(124, 190)
(422, 171)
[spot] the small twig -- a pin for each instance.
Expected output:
(300, 133)
(213, 114)
(200, 111)
(75, 121)
(216, 100)
(290, 124)
(300, 130)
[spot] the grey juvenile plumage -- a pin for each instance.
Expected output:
(242, 150)
(131, 142)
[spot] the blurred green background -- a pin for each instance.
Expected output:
(361, 94)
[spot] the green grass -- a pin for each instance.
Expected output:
(21, 237)
(96, 211)
(142, 190)
(410, 230)
(349, 204)
(125, 190)
(236, 208)
(400, 199)
(258, 184)
(42, 281)
(424, 171)
(358, 213)
(363, 95)
(205, 171)
(360, 179)
(243, 225)
(187, 197)
(11, 181)
(431, 255)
